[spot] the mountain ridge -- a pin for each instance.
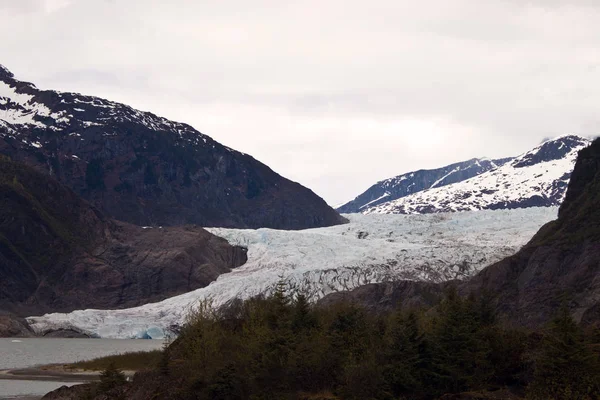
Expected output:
(147, 170)
(537, 178)
(415, 181)
(559, 266)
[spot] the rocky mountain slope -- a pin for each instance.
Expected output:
(12, 326)
(562, 261)
(560, 265)
(413, 182)
(144, 169)
(57, 252)
(537, 178)
(371, 248)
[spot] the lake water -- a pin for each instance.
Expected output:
(23, 353)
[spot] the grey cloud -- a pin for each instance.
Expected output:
(21, 5)
(333, 91)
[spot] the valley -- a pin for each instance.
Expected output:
(369, 249)
(116, 223)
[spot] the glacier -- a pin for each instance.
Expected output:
(369, 249)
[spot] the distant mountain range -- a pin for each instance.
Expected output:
(147, 170)
(537, 178)
(559, 266)
(417, 181)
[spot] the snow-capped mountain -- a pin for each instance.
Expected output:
(369, 249)
(145, 169)
(417, 181)
(538, 178)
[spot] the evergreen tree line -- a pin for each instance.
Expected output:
(282, 347)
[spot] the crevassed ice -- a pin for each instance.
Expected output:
(371, 248)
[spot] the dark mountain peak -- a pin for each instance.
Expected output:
(59, 253)
(552, 149)
(139, 167)
(585, 174)
(5, 73)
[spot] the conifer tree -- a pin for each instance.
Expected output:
(402, 354)
(163, 364)
(566, 368)
(303, 318)
(463, 350)
(111, 378)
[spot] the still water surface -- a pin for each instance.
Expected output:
(24, 353)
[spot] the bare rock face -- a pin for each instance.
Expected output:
(385, 296)
(561, 264)
(59, 253)
(11, 326)
(140, 168)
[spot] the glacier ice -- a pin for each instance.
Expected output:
(370, 248)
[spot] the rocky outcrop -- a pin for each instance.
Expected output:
(76, 392)
(386, 296)
(561, 264)
(59, 253)
(145, 385)
(12, 326)
(144, 169)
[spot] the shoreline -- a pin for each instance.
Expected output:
(54, 373)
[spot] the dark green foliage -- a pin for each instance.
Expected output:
(165, 360)
(227, 385)
(402, 354)
(463, 352)
(94, 175)
(111, 378)
(303, 319)
(134, 361)
(282, 347)
(565, 368)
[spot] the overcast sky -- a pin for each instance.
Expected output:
(334, 94)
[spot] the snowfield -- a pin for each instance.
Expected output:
(371, 248)
(538, 177)
(22, 104)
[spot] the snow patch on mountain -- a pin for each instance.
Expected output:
(371, 248)
(22, 103)
(416, 181)
(534, 179)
